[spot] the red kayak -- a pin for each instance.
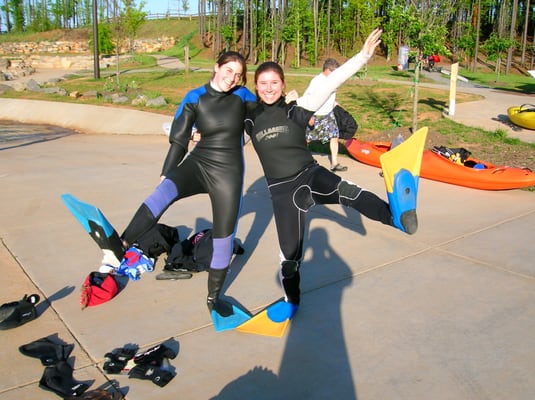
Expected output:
(472, 173)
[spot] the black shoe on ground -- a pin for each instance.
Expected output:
(339, 168)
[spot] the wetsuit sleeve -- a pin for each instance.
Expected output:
(180, 133)
(249, 99)
(175, 154)
(251, 107)
(312, 100)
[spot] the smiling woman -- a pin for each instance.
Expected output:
(214, 167)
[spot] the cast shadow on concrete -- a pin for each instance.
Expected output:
(60, 294)
(315, 363)
(14, 135)
(504, 119)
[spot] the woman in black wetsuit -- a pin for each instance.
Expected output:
(296, 181)
(214, 166)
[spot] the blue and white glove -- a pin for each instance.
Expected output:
(135, 263)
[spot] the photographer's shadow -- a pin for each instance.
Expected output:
(315, 363)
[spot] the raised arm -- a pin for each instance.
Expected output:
(313, 101)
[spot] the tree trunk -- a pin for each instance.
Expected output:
(245, 30)
(316, 31)
(8, 22)
(202, 14)
(415, 100)
(512, 34)
(525, 34)
(253, 24)
(478, 27)
(329, 6)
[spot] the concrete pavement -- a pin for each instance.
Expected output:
(445, 314)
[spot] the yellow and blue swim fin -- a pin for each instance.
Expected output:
(272, 321)
(401, 172)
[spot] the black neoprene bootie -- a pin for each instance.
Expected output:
(17, 313)
(216, 279)
(59, 379)
(141, 223)
(291, 279)
(47, 351)
(155, 355)
(117, 360)
(159, 376)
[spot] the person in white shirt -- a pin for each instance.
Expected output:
(323, 126)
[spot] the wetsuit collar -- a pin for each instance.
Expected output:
(279, 103)
(213, 86)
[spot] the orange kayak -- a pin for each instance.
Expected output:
(485, 175)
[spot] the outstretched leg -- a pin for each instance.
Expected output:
(150, 211)
(373, 207)
(365, 202)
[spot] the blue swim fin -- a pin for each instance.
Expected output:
(237, 318)
(99, 228)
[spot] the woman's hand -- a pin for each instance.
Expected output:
(372, 41)
(292, 95)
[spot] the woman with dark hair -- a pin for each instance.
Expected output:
(215, 166)
(295, 180)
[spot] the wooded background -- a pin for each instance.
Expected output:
(290, 31)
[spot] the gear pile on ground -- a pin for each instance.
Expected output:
(58, 374)
(151, 364)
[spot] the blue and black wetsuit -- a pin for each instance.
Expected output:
(214, 166)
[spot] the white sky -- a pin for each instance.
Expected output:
(161, 6)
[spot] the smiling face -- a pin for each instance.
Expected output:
(269, 86)
(227, 76)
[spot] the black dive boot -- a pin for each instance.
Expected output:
(290, 281)
(216, 279)
(142, 221)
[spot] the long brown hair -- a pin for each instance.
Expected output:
(229, 56)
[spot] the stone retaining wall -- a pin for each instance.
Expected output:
(81, 47)
(71, 55)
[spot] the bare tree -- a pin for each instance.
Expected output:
(478, 28)
(512, 37)
(525, 33)
(315, 10)
(201, 5)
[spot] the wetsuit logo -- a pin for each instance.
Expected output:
(272, 133)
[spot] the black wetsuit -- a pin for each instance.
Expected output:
(297, 182)
(214, 166)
